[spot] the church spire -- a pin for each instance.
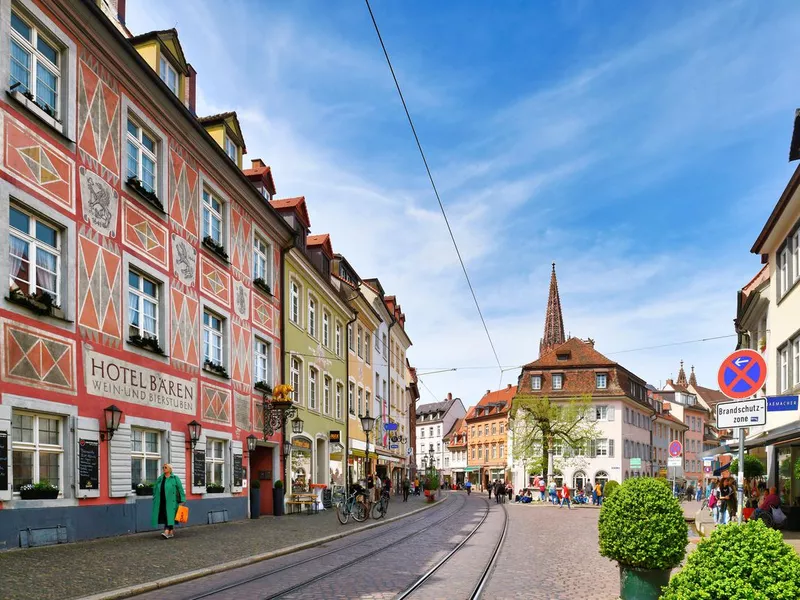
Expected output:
(692, 378)
(682, 376)
(554, 321)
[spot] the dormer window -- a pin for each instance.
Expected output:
(169, 75)
(230, 148)
(564, 356)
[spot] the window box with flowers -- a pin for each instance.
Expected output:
(146, 343)
(42, 303)
(215, 488)
(263, 386)
(215, 247)
(145, 488)
(38, 491)
(215, 368)
(136, 184)
(262, 285)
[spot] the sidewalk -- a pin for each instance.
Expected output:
(87, 568)
(705, 525)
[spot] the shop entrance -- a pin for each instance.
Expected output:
(261, 469)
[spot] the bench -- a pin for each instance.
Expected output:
(301, 500)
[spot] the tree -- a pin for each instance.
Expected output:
(753, 467)
(540, 423)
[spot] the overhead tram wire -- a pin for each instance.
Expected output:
(433, 185)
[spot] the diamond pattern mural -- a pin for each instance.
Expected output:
(240, 370)
(183, 193)
(146, 234)
(214, 281)
(185, 328)
(98, 118)
(33, 357)
(38, 163)
(99, 288)
(240, 240)
(263, 313)
(258, 414)
(216, 404)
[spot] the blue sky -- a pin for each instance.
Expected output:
(641, 147)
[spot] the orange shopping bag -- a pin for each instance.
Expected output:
(182, 516)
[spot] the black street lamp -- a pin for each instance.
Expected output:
(112, 416)
(367, 424)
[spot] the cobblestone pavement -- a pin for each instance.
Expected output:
(374, 564)
(86, 568)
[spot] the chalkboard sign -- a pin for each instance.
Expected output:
(237, 470)
(3, 461)
(88, 464)
(199, 468)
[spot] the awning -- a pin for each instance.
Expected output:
(392, 459)
(358, 453)
(470, 469)
(785, 433)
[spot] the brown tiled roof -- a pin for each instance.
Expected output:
(323, 240)
(669, 417)
(500, 400)
(298, 204)
(711, 397)
(581, 354)
(217, 117)
(760, 277)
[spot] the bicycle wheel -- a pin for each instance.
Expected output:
(378, 510)
(343, 513)
(360, 512)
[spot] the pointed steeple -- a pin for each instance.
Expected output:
(553, 321)
(692, 378)
(682, 376)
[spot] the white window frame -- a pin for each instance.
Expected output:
(296, 378)
(210, 214)
(601, 378)
(385, 346)
(795, 245)
(558, 377)
(339, 395)
(294, 302)
(360, 341)
(326, 328)
(601, 412)
(784, 368)
(231, 149)
(796, 361)
(338, 338)
(360, 396)
(536, 382)
(312, 316)
(143, 297)
(141, 150)
(601, 447)
(214, 334)
(326, 395)
(213, 460)
(262, 363)
(144, 455)
(783, 272)
(367, 348)
(165, 69)
(351, 397)
(34, 245)
(262, 259)
(313, 380)
(37, 448)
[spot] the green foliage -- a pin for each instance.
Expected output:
(610, 488)
(255, 483)
(642, 525)
(739, 562)
(753, 467)
(278, 485)
(44, 486)
(797, 469)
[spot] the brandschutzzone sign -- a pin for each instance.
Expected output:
(743, 413)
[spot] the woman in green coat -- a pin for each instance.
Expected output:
(167, 495)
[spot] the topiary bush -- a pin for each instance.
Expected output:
(739, 561)
(609, 489)
(753, 467)
(641, 525)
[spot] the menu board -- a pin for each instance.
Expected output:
(237, 470)
(3, 461)
(199, 468)
(88, 464)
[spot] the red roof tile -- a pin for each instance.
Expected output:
(298, 204)
(323, 240)
(504, 396)
(580, 354)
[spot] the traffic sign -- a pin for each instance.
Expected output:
(779, 403)
(675, 448)
(744, 413)
(394, 446)
(390, 426)
(674, 461)
(409, 451)
(707, 469)
(636, 463)
(742, 374)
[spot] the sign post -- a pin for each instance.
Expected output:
(740, 376)
(675, 450)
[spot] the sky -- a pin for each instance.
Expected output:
(640, 146)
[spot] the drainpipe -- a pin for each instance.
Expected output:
(284, 252)
(347, 397)
(388, 375)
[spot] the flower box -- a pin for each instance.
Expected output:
(214, 488)
(146, 343)
(216, 369)
(263, 386)
(262, 285)
(144, 491)
(41, 303)
(38, 491)
(138, 187)
(215, 247)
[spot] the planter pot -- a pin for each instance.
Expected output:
(255, 503)
(641, 584)
(214, 491)
(39, 494)
(277, 501)
(431, 496)
(144, 491)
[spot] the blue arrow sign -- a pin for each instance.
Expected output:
(390, 426)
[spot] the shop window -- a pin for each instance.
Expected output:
(145, 456)
(37, 449)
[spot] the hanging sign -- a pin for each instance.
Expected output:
(744, 413)
(390, 426)
(781, 403)
(335, 437)
(301, 444)
(88, 464)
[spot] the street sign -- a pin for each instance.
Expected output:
(707, 469)
(636, 463)
(409, 451)
(744, 413)
(674, 461)
(394, 446)
(390, 426)
(707, 460)
(779, 403)
(675, 448)
(742, 374)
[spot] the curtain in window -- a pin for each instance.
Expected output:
(45, 271)
(150, 318)
(19, 264)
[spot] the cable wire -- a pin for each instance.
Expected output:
(433, 185)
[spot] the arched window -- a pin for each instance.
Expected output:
(601, 477)
(578, 480)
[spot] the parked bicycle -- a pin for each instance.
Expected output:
(354, 506)
(381, 507)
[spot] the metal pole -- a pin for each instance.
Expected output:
(740, 487)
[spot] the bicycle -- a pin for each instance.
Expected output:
(381, 507)
(353, 506)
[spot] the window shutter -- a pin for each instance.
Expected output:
(592, 413)
(5, 451)
(610, 448)
(610, 413)
(86, 429)
(119, 462)
(199, 483)
(176, 441)
(236, 451)
(592, 448)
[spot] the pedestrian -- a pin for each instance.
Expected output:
(491, 487)
(167, 496)
(509, 490)
(499, 491)
(565, 496)
(598, 493)
(406, 488)
(587, 489)
(725, 494)
(552, 489)
(468, 486)
(542, 489)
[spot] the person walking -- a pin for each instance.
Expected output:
(552, 489)
(509, 490)
(565, 496)
(542, 489)
(406, 488)
(468, 486)
(499, 491)
(587, 490)
(490, 488)
(598, 493)
(167, 496)
(416, 486)
(725, 494)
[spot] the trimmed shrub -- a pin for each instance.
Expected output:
(739, 561)
(641, 525)
(753, 467)
(610, 488)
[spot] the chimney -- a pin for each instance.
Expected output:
(257, 163)
(488, 392)
(191, 90)
(121, 11)
(508, 387)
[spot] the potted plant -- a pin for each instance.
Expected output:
(216, 247)
(145, 488)
(739, 561)
(430, 487)
(146, 342)
(214, 488)
(38, 491)
(255, 499)
(42, 303)
(263, 386)
(277, 498)
(262, 285)
(642, 527)
(215, 368)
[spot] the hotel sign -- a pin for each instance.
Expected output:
(116, 379)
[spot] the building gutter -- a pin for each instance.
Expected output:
(284, 251)
(347, 397)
